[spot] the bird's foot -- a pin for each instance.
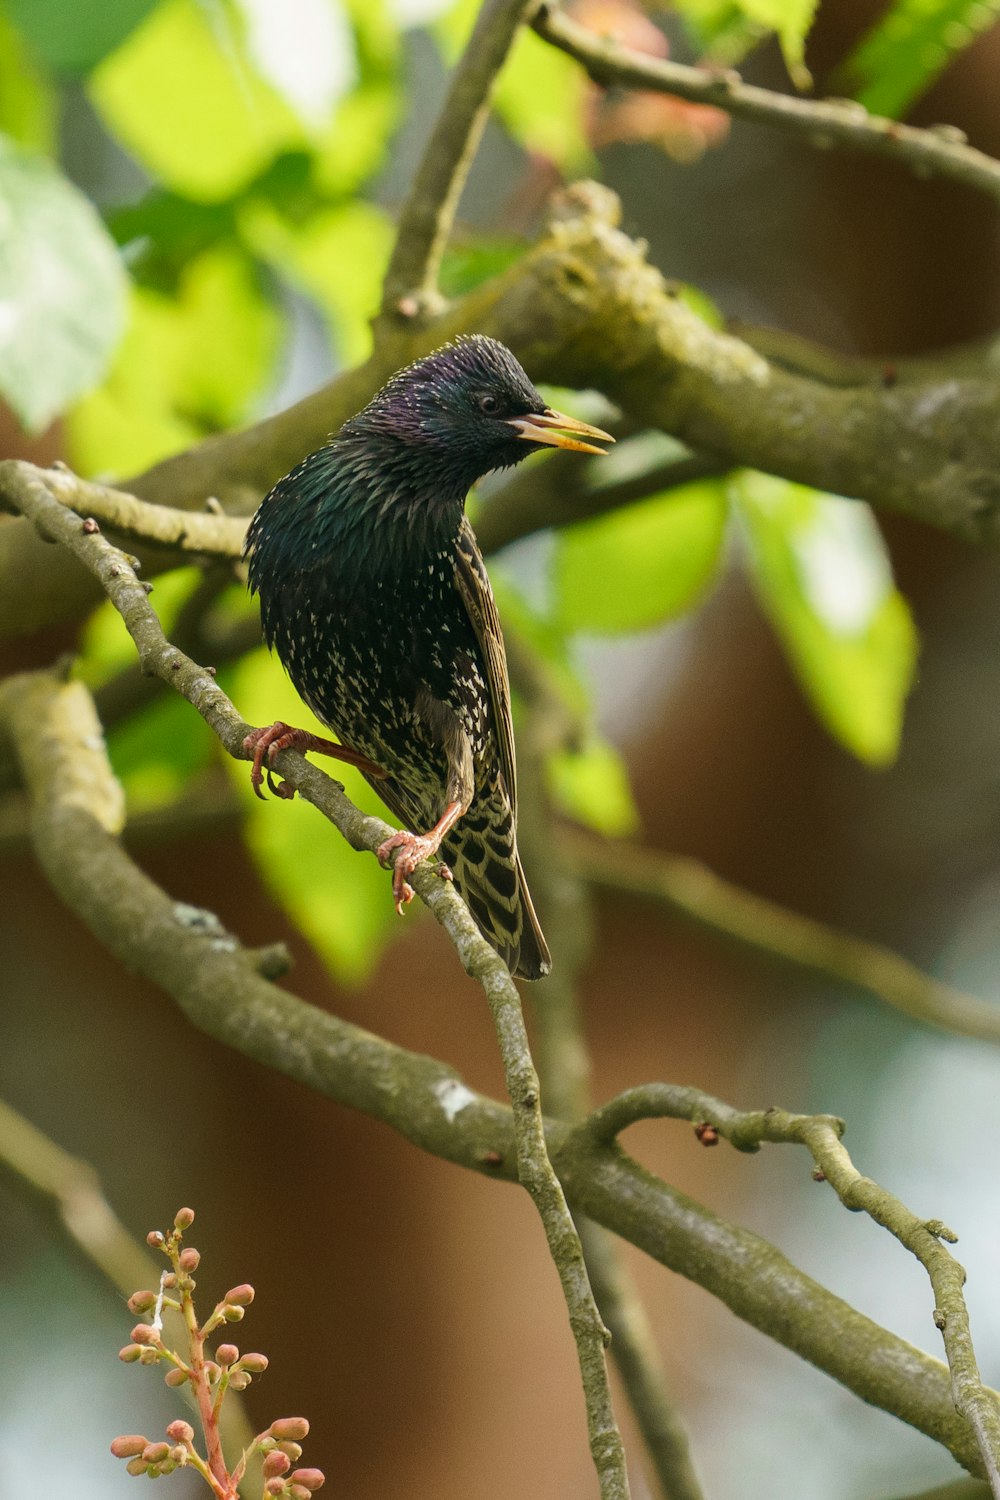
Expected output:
(265, 744)
(413, 849)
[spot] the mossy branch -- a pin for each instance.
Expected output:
(927, 1239)
(844, 124)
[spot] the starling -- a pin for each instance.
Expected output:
(374, 594)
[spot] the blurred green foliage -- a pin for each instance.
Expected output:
(909, 46)
(61, 288)
(822, 574)
(258, 136)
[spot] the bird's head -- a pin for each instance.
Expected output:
(466, 409)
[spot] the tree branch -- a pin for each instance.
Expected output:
(821, 1135)
(429, 211)
(689, 888)
(939, 151)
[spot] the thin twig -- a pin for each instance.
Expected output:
(429, 210)
(689, 888)
(564, 1064)
(939, 151)
(207, 533)
(112, 567)
(73, 1186)
(924, 1238)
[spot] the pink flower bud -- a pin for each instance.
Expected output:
(294, 1428)
(129, 1354)
(274, 1487)
(227, 1354)
(183, 1218)
(310, 1479)
(212, 1371)
(298, 1492)
(239, 1380)
(154, 1239)
(181, 1431)
(293, 1450)
(240, 1296)
(274, 1463)
(189, 1259)
(169, 1279)
(175, 1377)
(131, 1444)
(144, 1333)
(136, 1466)
(155, 1453)
(255, 1363)
(141, 1302)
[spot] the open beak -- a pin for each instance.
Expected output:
(558, 431)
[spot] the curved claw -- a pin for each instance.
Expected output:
(413, 849)
(279, 788)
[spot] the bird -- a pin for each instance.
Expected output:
(374, 595)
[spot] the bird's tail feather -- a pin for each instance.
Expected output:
(487, 870)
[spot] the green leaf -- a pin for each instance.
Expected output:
(541, 98)
(61, 289)
(71, 36)
(468, 263)
(156, 752)
(305, 51)
(339, 899)
(730, 28)
(635, 567)
(189, 363)
(259, 81)
(909, 46)
(338, 256)
(27, 105)
(106, 646)
(821, 572)
(186, 99)
(592, 786)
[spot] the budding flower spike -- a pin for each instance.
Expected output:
(210, 1379)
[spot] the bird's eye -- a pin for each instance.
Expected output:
(489, 405)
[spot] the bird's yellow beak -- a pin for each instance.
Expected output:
(559, 431)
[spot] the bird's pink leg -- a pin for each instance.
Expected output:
(414, 848)
(268, 742)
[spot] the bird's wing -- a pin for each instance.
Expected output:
(477, 596)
